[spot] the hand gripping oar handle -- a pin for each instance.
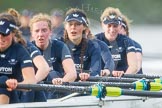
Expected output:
(134, 75)
(116, 79)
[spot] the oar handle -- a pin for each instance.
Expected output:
(111, 79)
(50, 82)
(141, 76)
(115, 79)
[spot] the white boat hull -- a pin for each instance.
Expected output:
(93, 102)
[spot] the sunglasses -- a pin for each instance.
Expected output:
(4, 35)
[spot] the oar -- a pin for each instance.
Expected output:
(98, 90)
(87, 83)
(138, 85)
(115, 79)
(141, 76)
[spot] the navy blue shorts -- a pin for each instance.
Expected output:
(32, 96)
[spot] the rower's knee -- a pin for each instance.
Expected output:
(4, 99)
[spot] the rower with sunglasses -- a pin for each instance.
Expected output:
(15, 61)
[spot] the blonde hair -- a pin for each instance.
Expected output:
(41, 17)
(13, 12)
(109, 11)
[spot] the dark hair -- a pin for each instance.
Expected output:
(18, 35)
(84, 39)
(13, 16)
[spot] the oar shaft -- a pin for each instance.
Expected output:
(49, 87)
(98, 90)
(112, 79)
(115, 79)
(110, 84)
(138, 85)
(142, 93)
(87, 83)
(140, 76)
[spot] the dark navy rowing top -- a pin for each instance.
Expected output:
(119, 49)
(33, 50)
(91, 58)
(54, 54)
(107, 60)
(13, 60)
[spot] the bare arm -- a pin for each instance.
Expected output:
(42, 66)
(139, 60)
(70, 71)
(132, 63)
(28, 76)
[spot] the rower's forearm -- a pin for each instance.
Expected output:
(31, 81)
(41, 75)
(131, 70)
(70, 77)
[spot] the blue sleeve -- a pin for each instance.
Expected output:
(95, 66)
(106, 56)
(129, 44)
(33, 50)
(100, 36)
(24, 57)
(63, 51)
(138, 47)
